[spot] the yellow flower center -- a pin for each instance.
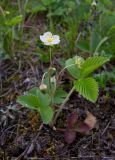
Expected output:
(50, 39)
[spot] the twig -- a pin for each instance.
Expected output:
(23, 153)
(40, 128)
(107, 125)
(34, 141)
(105, 128)
(6, 93)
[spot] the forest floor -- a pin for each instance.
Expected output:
(20, 126)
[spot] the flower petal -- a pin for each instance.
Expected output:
(56, 39)
(47, 34)
(42, 38)
(48, 43)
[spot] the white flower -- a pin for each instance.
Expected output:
(49, 39)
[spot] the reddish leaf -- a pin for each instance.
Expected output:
(72, 119)
(69, 136)
(83, 127)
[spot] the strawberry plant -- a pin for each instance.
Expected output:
(43, 98)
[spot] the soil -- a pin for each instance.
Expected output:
(19, 127)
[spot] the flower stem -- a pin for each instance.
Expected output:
(50, 54)
(2, 12)
(49, 74)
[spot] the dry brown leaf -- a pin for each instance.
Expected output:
(90, 120)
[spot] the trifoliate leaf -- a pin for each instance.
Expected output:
(35, 99)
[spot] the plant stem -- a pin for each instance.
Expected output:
(2, 11)
(49, 73)
(64, 70)
(78, 37)
(49, 79)
(12, 47)
(50, 19)
(99, 45)
(62, 106)
(50, 54)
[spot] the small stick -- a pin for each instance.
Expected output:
(34, 141)
(107, 125)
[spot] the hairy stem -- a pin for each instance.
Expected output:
(50, 55)
(49, 74)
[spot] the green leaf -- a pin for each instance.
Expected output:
(58, 12)
(14, 21)
(104, 77)
(107, 21)
(59, 96)
(94, 40)
(38, 9)
(44, 98)
(29, 101)
(34, 91)
(91, 64)
(34, 7)
(88, 88)
(48, 2)
(111, 31)
(99, 45)
(35, 99)
(46, 113)
(84, 46)
(72, 67)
